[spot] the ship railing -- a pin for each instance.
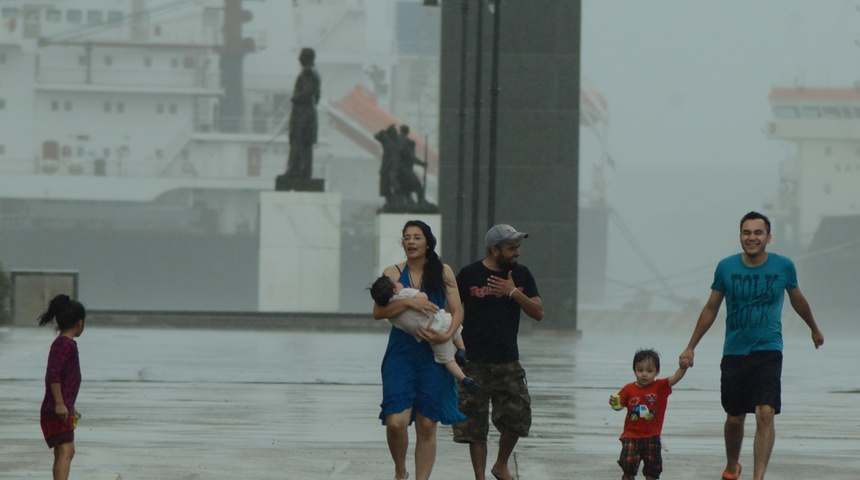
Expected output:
(261, 125)
(145, 79)
(19, 166)
(162, 159)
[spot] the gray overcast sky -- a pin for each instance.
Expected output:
(687, 83)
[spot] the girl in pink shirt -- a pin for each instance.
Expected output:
(62, 381)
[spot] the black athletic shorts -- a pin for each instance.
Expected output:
(751, 380)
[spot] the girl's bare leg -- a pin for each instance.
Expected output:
(63, 455)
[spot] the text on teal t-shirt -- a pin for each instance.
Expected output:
(754, 298)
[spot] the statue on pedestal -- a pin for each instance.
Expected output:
(397, 179)
(302, 127)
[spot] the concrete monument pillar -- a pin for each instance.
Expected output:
(299, 252)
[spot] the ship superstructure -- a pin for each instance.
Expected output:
(820, 177)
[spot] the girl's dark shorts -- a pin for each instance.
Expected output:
(58, 432)
(751, 380)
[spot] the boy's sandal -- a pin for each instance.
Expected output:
(732, 476)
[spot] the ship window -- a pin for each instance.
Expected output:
(827, 189)
(108, 60)
(10, 12)
(172, 108)
(786, 112)
(32, 14)
(82, 60)
(120, 107)
(174, 62)
(67, 106)
(159, 108)
(94, 17)
(2, 149)
(79, 151)
(147, 62)
(857, 112)
(828, 150)
(55, 105)
(2, 103)
(2, 57)
(114, 16)
(846, 112)
(831, 112)
(54, 15)
(74, 16)
(811, 112)
(108, 107)
(857, 151)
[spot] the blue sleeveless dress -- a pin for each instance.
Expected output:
(412, 378)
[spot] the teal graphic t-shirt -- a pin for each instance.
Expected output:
(754, 298)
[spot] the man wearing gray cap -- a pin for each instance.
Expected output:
(494, 291)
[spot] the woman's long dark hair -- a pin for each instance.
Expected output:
(64, 311)
(433, 278)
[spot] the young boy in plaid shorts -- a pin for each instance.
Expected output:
(645, 401)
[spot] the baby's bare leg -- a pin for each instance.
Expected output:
(455, 370)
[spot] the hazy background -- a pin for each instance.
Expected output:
(687, 85)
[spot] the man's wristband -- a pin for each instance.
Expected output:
(511, 295)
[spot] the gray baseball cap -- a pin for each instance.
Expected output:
(503, 233)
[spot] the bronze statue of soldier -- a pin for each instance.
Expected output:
(397, 179)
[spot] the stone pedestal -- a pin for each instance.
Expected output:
(282, 184)
(299, 252)
(389, 230)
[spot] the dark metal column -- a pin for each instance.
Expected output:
(461, 138)
(494, 116)
(476, 153)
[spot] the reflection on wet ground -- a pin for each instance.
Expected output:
(212, 404)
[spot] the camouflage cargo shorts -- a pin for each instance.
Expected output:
(504, 386)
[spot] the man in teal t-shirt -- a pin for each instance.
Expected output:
(752, 283)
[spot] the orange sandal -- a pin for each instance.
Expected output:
(732, 476)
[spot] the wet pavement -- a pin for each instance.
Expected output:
(227, 404)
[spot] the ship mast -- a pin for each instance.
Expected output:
(232, 58)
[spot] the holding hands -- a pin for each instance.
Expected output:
(685, 360)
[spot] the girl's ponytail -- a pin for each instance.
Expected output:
(64, 311)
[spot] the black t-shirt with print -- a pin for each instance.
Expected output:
(491, 322)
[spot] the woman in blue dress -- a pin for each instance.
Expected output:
(414, 387)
